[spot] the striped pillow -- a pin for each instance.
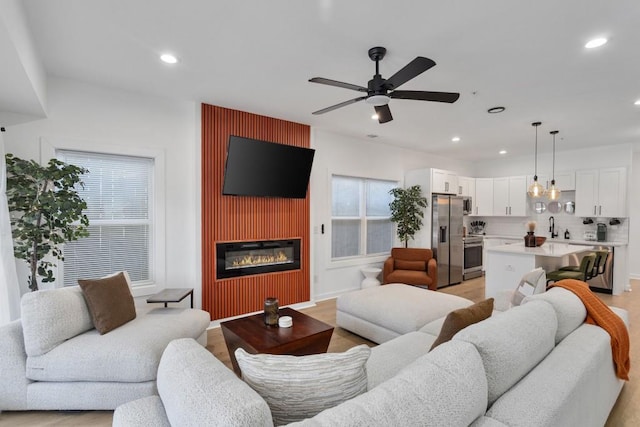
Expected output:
(299, 387)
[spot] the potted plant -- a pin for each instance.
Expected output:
(407, 211)
(46, 211)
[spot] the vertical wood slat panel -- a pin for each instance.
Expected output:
(230, 218)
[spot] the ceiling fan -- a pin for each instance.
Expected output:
(380, 91)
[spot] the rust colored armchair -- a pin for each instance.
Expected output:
(412, 266)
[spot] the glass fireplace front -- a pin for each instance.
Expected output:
(256, 257)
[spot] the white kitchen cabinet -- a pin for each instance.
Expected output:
(466, 186)
(445, 182)
(565, 181)
(501, 196)
(484, 197)
(510, 196)
(601, 192)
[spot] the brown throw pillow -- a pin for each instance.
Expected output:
(459, 319)
(109, 300)
(410, 265)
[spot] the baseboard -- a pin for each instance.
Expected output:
(335, 294)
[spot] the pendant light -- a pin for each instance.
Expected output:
(553, 192)
(536, 190)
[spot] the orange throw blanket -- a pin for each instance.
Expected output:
(600, 315)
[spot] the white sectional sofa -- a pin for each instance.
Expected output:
(537, 364)
(54, 359)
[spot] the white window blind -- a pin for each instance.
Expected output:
(118, 190)
(360, 216)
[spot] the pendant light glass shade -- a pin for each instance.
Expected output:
(536, 189)
(553, 192)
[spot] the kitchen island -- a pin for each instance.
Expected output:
(506, 264)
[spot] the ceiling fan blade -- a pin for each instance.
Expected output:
(342, 104)
(330, 82)
(411, 70)
(384, 113)
(420, 95)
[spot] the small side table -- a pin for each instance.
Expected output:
(370, 277)
(171, 295)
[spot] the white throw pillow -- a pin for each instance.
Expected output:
(299, 387)
(533, 282)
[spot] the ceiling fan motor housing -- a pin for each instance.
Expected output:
(376, 86)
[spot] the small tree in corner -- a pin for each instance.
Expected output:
(46, 211)
(407, 211)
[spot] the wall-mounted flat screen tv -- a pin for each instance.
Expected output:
(266, 169)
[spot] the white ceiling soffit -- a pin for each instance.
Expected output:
(22, 85)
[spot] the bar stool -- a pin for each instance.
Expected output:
(585, 270)
(598, 265)
(603, 262)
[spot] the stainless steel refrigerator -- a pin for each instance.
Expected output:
(446, 238)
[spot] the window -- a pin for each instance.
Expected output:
(360, 223)
(118, 190)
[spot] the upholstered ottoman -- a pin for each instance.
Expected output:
(385, 312)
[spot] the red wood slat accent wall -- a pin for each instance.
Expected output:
(231, 218)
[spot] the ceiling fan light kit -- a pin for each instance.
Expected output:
(536, 190)
(380, 91)
(378, 100)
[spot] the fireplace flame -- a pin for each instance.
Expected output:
(253, 260)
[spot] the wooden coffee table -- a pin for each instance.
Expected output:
(306, 336)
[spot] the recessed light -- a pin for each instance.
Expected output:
(374, 117)
(637, 102)
(495, 110)
(455, 139)
(597, 42)
(168, 58)
(502, 152)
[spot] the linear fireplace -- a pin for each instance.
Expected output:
(235, 259)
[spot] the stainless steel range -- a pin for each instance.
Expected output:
(472, 257)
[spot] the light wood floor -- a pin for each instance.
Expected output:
(625, 413)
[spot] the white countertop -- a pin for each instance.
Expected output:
(549, 249)
(557, 240)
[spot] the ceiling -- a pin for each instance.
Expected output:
(257, 56)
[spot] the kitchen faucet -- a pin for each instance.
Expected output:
(552, 227)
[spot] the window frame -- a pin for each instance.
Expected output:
(49, 149)
(361, 259)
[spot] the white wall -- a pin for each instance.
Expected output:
(634, 216)
(589, 158)
(104, 116)
(338, 154)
